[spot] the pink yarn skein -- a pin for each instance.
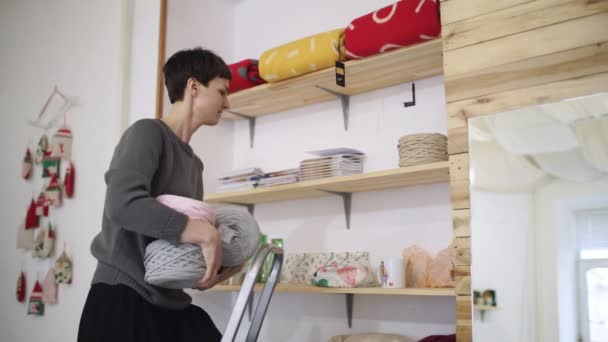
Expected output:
(195, 209)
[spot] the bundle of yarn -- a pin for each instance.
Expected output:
(181, 266)
(422, 148)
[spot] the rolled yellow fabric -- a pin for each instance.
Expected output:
(302, 56)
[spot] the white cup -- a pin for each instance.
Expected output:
(391, 273)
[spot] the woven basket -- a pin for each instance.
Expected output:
(415, 149)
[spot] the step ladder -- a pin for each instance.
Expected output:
(246, 294)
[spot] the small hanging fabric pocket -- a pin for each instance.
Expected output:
(21, 287)
(26, 168)
(45, 242)
(31, 218)
(53, 191)
(36, 304)
(41, 150)
(25, 237)
(69, 179)
(49, 289)
(61, 145)
(63, 269)
(42, 205)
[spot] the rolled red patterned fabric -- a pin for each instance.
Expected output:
(245, 75)
(400, 24)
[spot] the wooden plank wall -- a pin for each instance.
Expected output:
(506, 54)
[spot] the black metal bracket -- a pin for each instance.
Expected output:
(347, 200)
(413, 102)
(344, 100)
(251, 120)
(350, 299)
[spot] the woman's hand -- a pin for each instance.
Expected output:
(224, 274)
(208, 238)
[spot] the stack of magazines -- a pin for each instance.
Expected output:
(239, 180)
(279, 177)
(332, 162)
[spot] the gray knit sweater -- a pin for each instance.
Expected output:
(150, 160)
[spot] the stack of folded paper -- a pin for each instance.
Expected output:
(332, 162)
(242, 179)
(279, 177)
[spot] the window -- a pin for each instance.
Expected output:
(592, 236)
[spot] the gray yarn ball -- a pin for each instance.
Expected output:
(182, 266)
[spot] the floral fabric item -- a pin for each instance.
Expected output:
(299, 268)
(334, 275)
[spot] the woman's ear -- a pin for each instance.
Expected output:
(192, 86)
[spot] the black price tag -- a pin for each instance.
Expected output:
(340, 74)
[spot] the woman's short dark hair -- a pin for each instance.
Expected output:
(203, 65)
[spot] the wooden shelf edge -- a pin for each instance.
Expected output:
(283, 288)
(486, 307)
(391, 68)
(370, 181)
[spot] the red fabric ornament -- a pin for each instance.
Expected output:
(68, 180)
(53, 191)
(31, 220)
(400, 24)
(21, 286)
(42, 205)
(61, 145)
(26, 169)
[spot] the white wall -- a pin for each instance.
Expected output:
(557, 294)
(76, 45)
(502, 243)
(383, 222)
(143, 57)
(208, 24)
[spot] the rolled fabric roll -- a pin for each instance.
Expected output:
(245, 75)
(302, 56)
(181, 266)
(401, 24)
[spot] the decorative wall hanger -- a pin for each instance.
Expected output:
(67, 103)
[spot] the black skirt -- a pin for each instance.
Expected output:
(118, 313)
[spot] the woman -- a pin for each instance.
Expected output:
(153, 158)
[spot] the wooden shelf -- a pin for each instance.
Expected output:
(292, 288)
(378, 180)
(486, 307)
(395, 67)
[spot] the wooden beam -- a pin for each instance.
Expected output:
(463, 286)
(162, 41)
(464, 330)
(457, 10)
(529, 44)
(523, 97)
(458, 139)
(459, 181)
(508, 21)
(461, 222)
(464, 308)
(584, 61)
(462, 270)
(462, 251)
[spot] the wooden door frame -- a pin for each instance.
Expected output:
(162, 43)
